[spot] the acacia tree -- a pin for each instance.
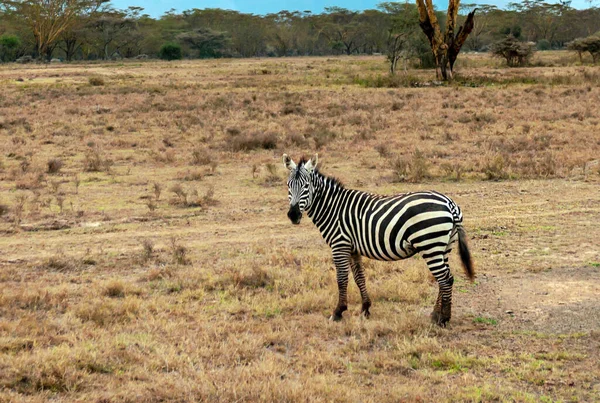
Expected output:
(514, 52)
(343, 29)
(208, 42)
(73, 37)
(445, 47)
(590, 44)
(112, 32)
(48, 19)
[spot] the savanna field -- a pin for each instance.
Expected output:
(145, 252)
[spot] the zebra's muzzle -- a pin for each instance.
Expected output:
(295, 215)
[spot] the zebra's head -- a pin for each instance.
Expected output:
(300, 187)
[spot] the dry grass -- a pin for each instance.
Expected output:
(212, 295)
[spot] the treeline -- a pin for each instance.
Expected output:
(93, 29)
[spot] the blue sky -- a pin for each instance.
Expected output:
(157, 7)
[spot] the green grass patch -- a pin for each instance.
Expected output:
(486, 321)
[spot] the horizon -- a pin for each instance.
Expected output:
(158, 8)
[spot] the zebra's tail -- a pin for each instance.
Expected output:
(465, 254)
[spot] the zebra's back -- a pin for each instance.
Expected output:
(397, 227)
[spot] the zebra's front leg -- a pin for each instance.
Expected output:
(342, 262)
(359, 278)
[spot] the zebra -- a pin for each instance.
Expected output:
(356, 224)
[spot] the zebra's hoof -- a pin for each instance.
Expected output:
(438, 319)
(335, 318)
(365, 314)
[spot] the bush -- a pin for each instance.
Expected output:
(54, 165)
(95, 161)
(514, 52)
(543, 44)
(170, 51)
(96, 81)
(266, 141)
(8, 47)
(24, 59)
(201, 156)
(413, 169)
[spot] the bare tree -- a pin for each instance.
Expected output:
(445, 48)
(402, 30)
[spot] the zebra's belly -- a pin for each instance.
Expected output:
(371, 254)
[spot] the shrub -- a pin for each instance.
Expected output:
(170, 51)
(157, 190)
(24, 59)
(383, 150)
(495, 168)
(8, 47)
(115, 289)
(543, 44)
(322, 136)
(209, 198)
(95, 162)
(147, 249)
(201, 156)
(96, 81)
(54, 165)
(412, 169)
(273, 177)
(255, 278)
(179, 252)
(180, 193)
(266, 141)
(514, 52)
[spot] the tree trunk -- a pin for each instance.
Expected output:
(70, 48)
(348, 48)
(445, 48)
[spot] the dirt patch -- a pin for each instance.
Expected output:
(559, 301)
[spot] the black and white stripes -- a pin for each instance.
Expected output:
(355, 224)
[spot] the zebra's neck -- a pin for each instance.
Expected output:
(326, 201)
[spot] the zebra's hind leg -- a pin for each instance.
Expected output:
(442, 310)
(359, 278)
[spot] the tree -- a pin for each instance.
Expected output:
(342, 29)
(539, 19)
(9, 44)
(170, 51)
(514, 52)
(590, 44)
(111, 29)
(207, 42)
(401, 32)
(282, 31)
(48, 19)
(72, 38)
(445, 48)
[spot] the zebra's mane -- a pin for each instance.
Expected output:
(333, 179)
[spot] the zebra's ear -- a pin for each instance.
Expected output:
(312, 163)
(288, 163)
